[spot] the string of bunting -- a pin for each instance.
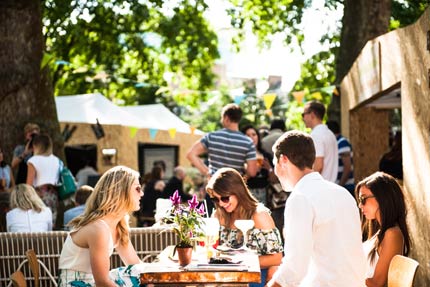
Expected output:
(268, 98)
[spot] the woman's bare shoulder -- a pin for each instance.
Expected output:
(393, 237)
(263, 219)
(93, 231)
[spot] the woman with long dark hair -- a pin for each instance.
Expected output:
(382, 203)
(258, 184)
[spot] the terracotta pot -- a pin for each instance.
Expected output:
(184, 255)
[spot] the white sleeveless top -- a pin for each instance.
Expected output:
(77, 258)
(368, 246)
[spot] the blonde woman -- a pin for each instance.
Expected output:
(233, 200)
(43, 171)
(28, 212)
(101, 228)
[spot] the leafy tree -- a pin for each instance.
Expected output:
(124, 48)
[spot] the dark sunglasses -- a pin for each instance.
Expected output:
(224, 199)
(362, 199)
(305, 113)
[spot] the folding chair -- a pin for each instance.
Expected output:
(401, 272)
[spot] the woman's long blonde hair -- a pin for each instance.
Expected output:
(111, 196)
(228, 181)
(25, 197)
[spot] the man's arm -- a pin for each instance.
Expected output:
(318, 164)
(193, 156)
(346, 160)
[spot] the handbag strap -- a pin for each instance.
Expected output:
(60, 168)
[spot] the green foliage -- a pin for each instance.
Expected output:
(267, 18)
(124, 48)
(207, 114)
(405, 12)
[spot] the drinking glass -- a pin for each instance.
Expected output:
(244, 225)
(211, 230)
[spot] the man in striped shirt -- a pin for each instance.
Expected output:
(227, 147)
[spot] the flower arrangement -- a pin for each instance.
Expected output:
(187, 220)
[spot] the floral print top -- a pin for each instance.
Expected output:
(263, 241)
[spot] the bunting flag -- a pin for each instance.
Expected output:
(250, 117)
(335, 92)
(133, 131)
(162, 90)
(269, 113)
(269, 99)
(192, 130)
(329, 89)
(299, 96)
(239, 99)
(316, 95)
(172, 132)
(153, 133)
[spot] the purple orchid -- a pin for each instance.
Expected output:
(193, 202)
(201, 210)
(175, 199)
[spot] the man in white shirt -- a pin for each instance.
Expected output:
(326, 161)
(322, 225)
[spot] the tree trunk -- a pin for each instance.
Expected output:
(362, 21)
(26, 93)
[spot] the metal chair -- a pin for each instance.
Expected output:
(401, 272)
(18, 279)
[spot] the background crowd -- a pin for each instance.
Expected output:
(270, 176)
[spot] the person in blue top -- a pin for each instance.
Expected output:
(6, 175)
(81, 197)
(345, 174)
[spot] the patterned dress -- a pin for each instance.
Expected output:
(264, 242)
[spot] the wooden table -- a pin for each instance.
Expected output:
(166, 272)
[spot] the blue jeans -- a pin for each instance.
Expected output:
(263, 279)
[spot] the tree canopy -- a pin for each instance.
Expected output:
(126, 49)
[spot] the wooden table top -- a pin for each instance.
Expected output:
(166, 271)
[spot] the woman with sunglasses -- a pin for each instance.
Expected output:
(381, 201)
(233, 201)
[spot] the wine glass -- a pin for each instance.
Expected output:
(211, 230)
(244, 225)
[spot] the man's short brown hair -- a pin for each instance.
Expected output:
(82, 194)
(298, 147)
(233, 112)
(316, 107)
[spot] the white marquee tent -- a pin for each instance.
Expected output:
(89, 108)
